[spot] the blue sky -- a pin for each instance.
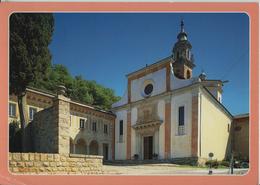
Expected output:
(106, 46)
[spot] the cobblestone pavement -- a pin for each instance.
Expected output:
(165, 169)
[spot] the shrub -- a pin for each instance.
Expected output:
(225, 163)
(245, 165)
(155, 156)
(136, 156)
(213, 163)
(14, 137)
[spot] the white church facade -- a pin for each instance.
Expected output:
(168, 113)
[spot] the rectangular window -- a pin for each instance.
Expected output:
(105, 128)
(121, 128)
(181, 127)
(12, 109)
(81, 123)
(94, 126)
(32, 111)
(181, 116)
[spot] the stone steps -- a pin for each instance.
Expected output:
(179, 161)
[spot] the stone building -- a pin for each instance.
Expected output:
(167, 113)
(241, 136)
(87, 130)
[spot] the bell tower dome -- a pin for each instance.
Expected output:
(183, 59)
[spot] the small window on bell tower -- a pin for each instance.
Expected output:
(178, 55)
(188, 54)
(188, 74)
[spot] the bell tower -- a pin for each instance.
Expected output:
(183, 59)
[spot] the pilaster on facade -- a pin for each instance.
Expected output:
(167, 121)
(128, 135)
(113, 140)
(129, 90)
(168, 77)
(195, 124)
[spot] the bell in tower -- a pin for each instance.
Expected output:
(183, 59)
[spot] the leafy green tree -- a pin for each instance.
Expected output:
(81, 91)
(30, 35)
(77, 88)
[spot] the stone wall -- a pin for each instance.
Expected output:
(50, 128)
(241, 137)
(45, 132)
(40, 163)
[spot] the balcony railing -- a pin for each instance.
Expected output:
(181, 130)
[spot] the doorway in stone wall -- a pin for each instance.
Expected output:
(80, 147)
(148, 147)
(93, 148)
(105, 151)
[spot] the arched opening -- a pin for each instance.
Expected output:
(177, 73)
(188, 74)
(71, 146)
(81, 147)
(93, 148)
(188, 54)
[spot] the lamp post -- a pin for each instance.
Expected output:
(210, 163)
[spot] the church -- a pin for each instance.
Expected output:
(168, 113)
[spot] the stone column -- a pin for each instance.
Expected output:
(62, 118)
(156, 142)
(141, 139)
(137, 145)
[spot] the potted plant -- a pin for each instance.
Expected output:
(155, 156)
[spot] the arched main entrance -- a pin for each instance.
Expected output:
(81, 147)
(93, 148)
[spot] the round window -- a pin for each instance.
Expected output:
(148, 89)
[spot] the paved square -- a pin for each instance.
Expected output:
(165, 169)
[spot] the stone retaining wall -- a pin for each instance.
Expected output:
(41, 163)
(44, 134)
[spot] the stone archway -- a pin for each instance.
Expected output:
(81, 147)
(93, 148)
